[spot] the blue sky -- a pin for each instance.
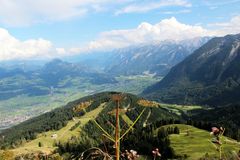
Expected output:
(43, 28)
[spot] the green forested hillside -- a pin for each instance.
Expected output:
(53, 120)
(68, 131)
(27, 135)
(227, 117)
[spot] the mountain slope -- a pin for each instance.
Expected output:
(227, 117)
(211, 75)
(71, 129)
(99, 104)
(195, 143)
(156, 58)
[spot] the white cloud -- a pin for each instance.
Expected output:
(224, 28)
(212, 3)
(167, 29)
(12, 48)
(27, 12)
(61, 51)
(145, 7)
(177, 12)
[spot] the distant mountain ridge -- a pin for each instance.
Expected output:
(152, 58)
(36, 78)
(211, 75)
(56, 70)
(16, 81)
(156, 58)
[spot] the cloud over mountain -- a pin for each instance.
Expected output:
(166, 29)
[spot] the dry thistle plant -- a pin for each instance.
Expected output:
(156, 153)
(116, 139)
(216, 140)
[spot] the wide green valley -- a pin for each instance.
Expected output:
(22, 107)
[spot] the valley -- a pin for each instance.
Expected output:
(22, 107)
(27, 90)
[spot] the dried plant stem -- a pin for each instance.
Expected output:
(132, 124)
(117, 142)
(220, 147)
(106, 133)
(117, 98)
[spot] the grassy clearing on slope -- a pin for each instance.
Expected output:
(197, 143)
(174, 108)
(127, 119)
(178, 109)
(47, 138)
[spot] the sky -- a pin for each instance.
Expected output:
(35, 29)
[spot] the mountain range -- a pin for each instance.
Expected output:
(211, 76)
(155, 58)
(36, 78)
(16, 81)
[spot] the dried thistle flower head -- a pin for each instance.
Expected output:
(156, 153)
(130, 155)
(215, 129)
